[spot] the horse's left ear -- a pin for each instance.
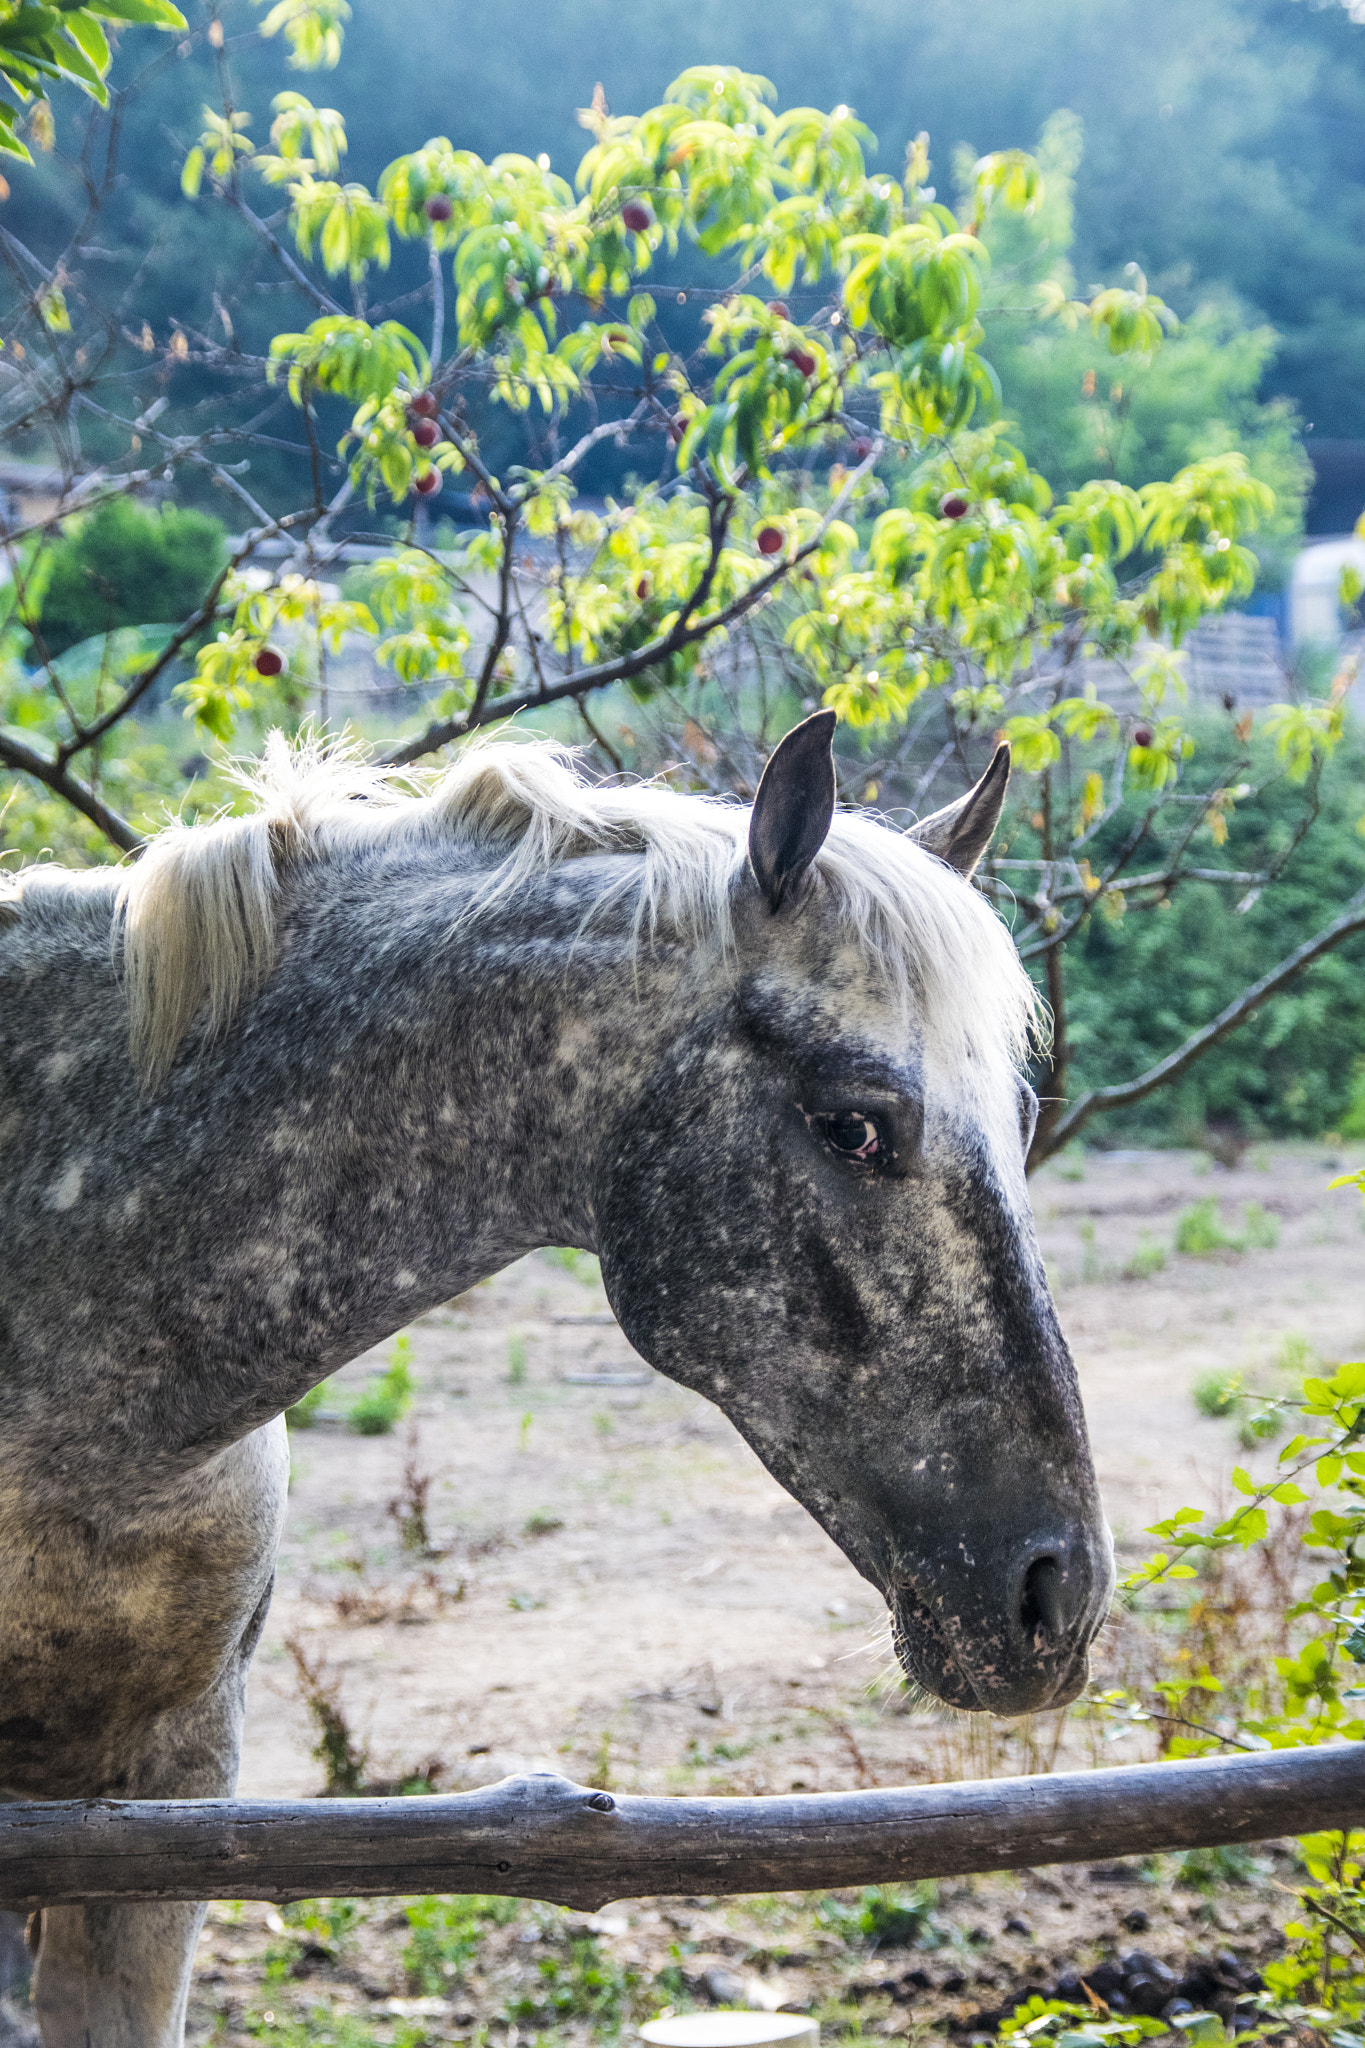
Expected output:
(793, 807)
(961, 832)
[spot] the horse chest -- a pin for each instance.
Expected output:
(104, 1628)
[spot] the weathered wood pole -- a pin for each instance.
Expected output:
(543, 1837)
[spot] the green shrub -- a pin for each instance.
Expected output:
(125, 565)
(1215, 1394)
(386, 1400)
(1149, 1258)
(1198, 1230)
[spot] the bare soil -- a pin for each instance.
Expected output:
(613, 1586)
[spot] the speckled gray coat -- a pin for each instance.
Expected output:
(799, 1211)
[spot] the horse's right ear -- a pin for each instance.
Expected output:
(793, 807)
(961, 832)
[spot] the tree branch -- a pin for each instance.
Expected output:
(58, 778)
(685, 631)
(1351, 921)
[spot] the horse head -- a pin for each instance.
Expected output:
(813, 1209)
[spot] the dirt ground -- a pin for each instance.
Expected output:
(613, 1586)
(621, 1585)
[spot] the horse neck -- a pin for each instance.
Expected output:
(415, 1098)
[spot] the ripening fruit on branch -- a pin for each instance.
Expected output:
(642, 588)
(426, 405)
(426, 482)
(779, 309)
(803, 359)
(636, 216)
(770, 540)
(1142, 735)
(426, 433)
(952, 505)
(438, 207)
(269, 661)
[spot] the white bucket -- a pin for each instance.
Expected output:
(732, 2030)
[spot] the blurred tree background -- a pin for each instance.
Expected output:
(1224, 145)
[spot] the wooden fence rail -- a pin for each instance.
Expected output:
(543, 1837)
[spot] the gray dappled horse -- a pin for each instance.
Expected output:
(294, 1078)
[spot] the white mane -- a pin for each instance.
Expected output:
(197, 914)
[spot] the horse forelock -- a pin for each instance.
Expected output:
(195, 919)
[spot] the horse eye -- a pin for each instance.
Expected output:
(855, 1137)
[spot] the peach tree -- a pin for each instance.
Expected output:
(822, 500)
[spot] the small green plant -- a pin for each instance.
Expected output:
(1091, 1270)
(304, 1413)
(446, 1935)
(522, 1602)
(322, 2026)
(1216, 1394)
(584, 1266)
(888, 1916)
(1261, 1426)
(386, 1400)
(524, 1431)
(541, 1524)
(1148, 1259)
(1295, 1355)
(409, 1506)
(1208, 1870)
(1052, 2021)
(586, 1983)
(1260, 1230)
(516, 1360)
(1071, 1162)
(1198, 1230)
(600, 1773)
(342, 1759)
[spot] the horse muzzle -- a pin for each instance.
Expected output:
(1005, 1634)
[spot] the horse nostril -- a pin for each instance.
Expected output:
(1041, 1606)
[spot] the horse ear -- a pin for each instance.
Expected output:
(961, 832)
(793, 807)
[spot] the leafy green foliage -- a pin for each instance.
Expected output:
(1137, 985)
(42, 43)
(1055, 2022)
(1314, 1502)
(126, 565)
